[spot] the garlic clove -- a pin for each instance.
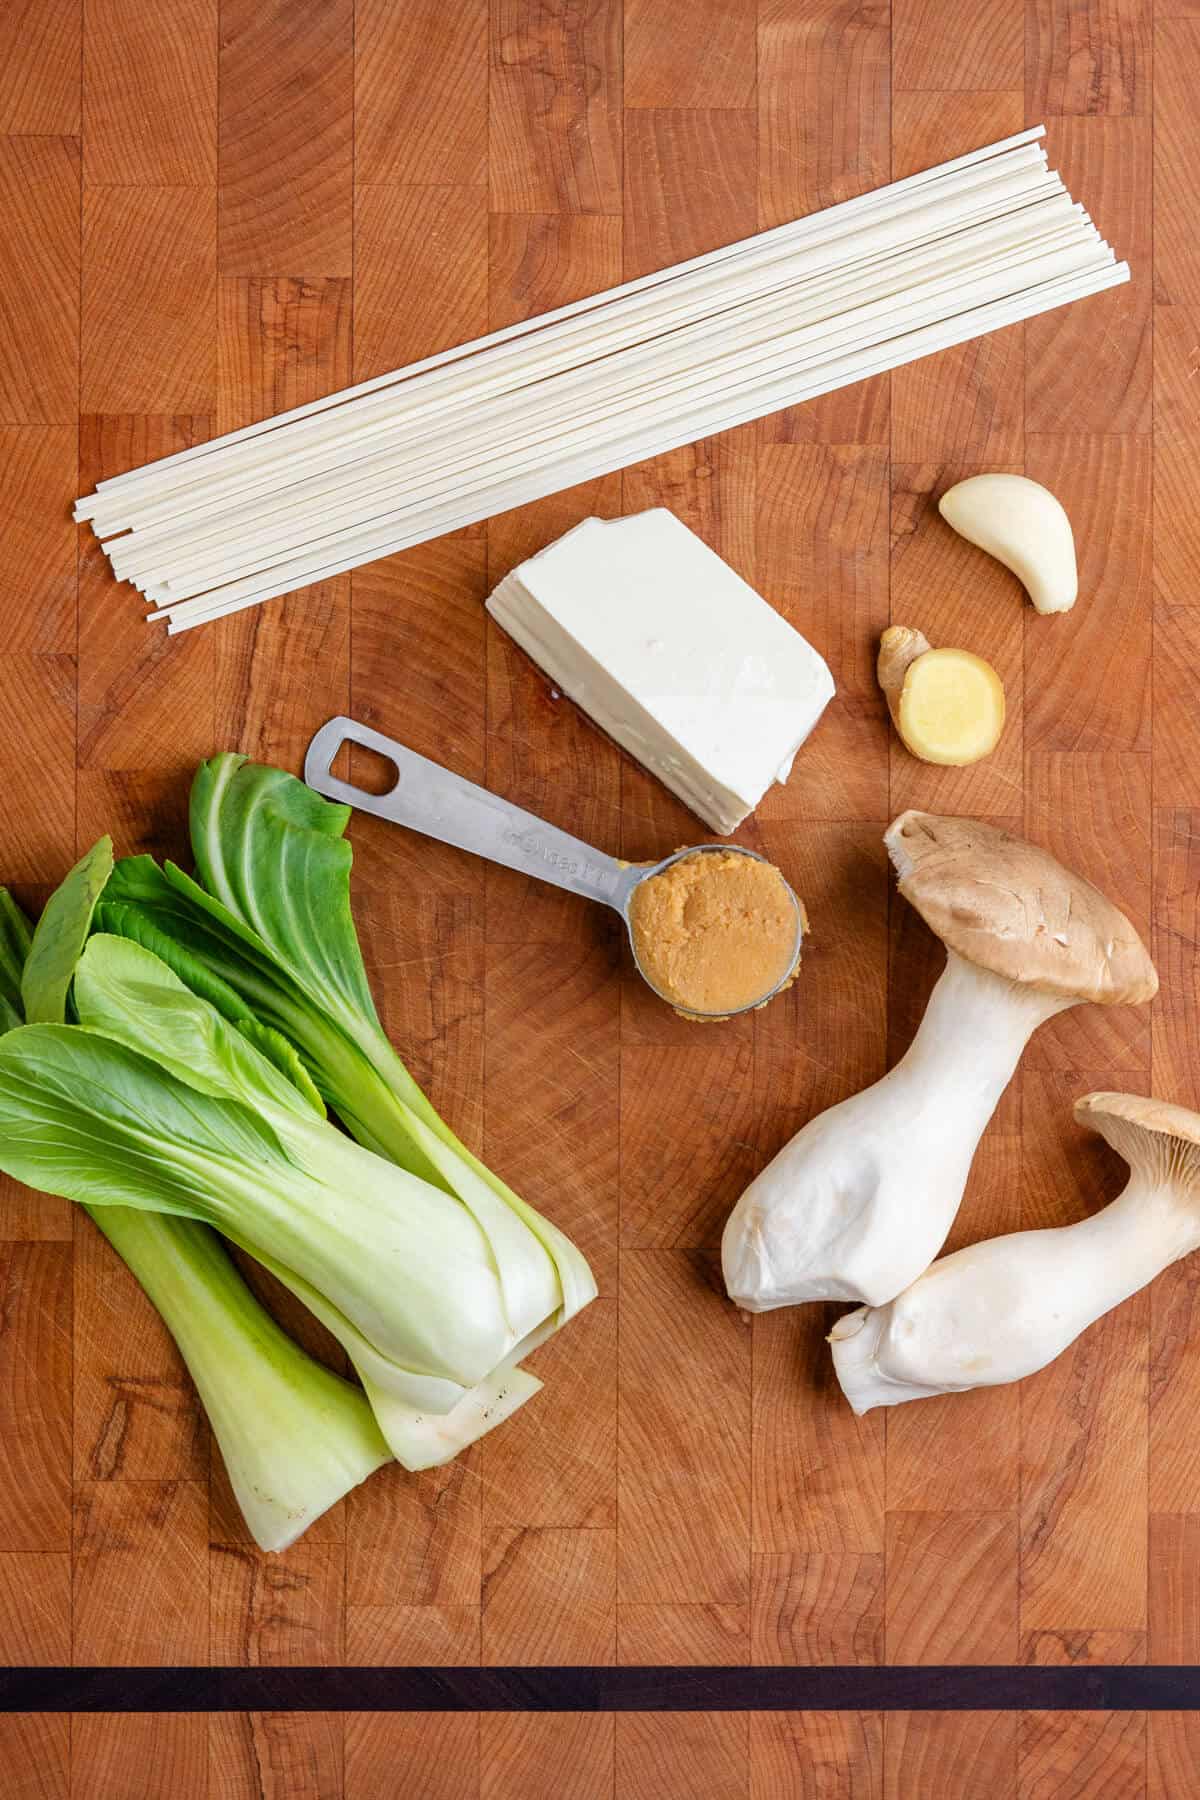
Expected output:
(1022, 525)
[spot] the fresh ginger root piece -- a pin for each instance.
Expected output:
(947, 705)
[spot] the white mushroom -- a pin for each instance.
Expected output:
(860, 1201)
(997, 1311)
(1022, 525)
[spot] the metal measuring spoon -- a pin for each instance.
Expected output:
(432, 800)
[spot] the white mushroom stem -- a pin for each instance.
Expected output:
(861, 1200)
(1000, 1310)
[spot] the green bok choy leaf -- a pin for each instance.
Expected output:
(15, 937)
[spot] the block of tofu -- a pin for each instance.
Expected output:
(672, 654)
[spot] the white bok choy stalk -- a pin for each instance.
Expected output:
(155, 1100)
(1000, 1310)
(295, 1437)
(861, 1199)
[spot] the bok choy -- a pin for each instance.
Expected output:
(155, 1100)
(269, 923)
(207, 1023)
(294, 1436)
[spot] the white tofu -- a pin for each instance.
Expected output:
(672, 654)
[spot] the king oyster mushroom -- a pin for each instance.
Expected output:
(860, 1201)
(999, 1310)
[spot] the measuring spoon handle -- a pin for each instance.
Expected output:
(430, 799)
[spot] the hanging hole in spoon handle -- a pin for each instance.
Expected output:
(431, 799)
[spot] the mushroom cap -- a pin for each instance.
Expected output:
(1147, 1133)
(1011, 908)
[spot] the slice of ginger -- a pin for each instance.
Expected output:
(947, 705)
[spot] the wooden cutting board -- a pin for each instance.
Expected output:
(237, 221)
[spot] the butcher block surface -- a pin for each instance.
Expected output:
(210, 213)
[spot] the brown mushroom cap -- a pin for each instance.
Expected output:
(1009, 907)
(1149, 1134)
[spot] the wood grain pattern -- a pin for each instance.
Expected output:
(818, 1470)
(203, 226)
(441, 1750)
(680, 54)
(146, 1423)
(669, 213)
(39, 279)
(969, 402)
(549, 1596)
(1083, 1430)
(555, 122)
(1102, 671)
(35, 1425)
(277, 1609)
(35, 1755)
(438, 236)
(1176, 255)
(141, 1585)
(951, 1753)
(824, 85)
(37, 695)
(1064, 1753)
(38, 464)
(816, 1756)
(1174, 1585)
(150, 94)
(144, 701)
(1172, 1743)
(822, 532)
(139, 1757)
(277, 677)
(408, 128)
(1087, 58)
(684, 1469)
(689, 1634)
(35, 1607)
(275, 1756)
(1094, 808)
(286, 123)
(819, 1608)
(933, 1560)
(1116, 154)
(517, 1749)
(416, 1542)
(987, 52)
(675, 1755)
(1176, 866)
(40, 73)
(149, 286)
(954, 1455)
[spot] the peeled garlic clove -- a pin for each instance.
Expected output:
(1022, 525)
(947, 705)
